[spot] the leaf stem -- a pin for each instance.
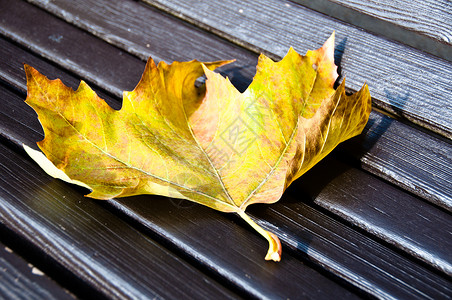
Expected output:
(274, 245)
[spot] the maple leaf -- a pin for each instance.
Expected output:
(212, 144)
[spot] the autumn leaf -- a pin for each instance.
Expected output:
(211, 144)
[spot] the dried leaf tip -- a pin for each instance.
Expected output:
(274, 245)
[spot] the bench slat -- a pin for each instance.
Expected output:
(425, 25)
(402, 80)
(409, 158)
(21, 280)
(170, 223)
(430, 17)
(348, 253)
(380, 209)
(308, 233)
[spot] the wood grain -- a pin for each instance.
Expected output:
(412, 159)
(384, 211)
(402, 80)
(333, 245)
(305, 232)
(21, 280)
(174, 223)
(225, 245)
(424, 25)
(429, 17)
(423, 172)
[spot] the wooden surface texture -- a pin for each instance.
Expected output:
(373, 220)
(22, 280)
(425, 25)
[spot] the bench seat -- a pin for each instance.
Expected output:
(373, 219)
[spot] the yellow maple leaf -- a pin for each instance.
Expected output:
(212, 144)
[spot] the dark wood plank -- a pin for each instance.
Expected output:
(412, 159)
(226, 246)
(138, 30)
(21, 280)
(78, 235)
(396, 217)
(175, 226)
(342, 251)
(424, 25)
(425, 172)
(402, 80)
(337, 247)
(49, 34)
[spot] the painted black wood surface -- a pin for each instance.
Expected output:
(22, 280)
(360, 224)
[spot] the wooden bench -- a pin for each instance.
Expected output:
(373, 220)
